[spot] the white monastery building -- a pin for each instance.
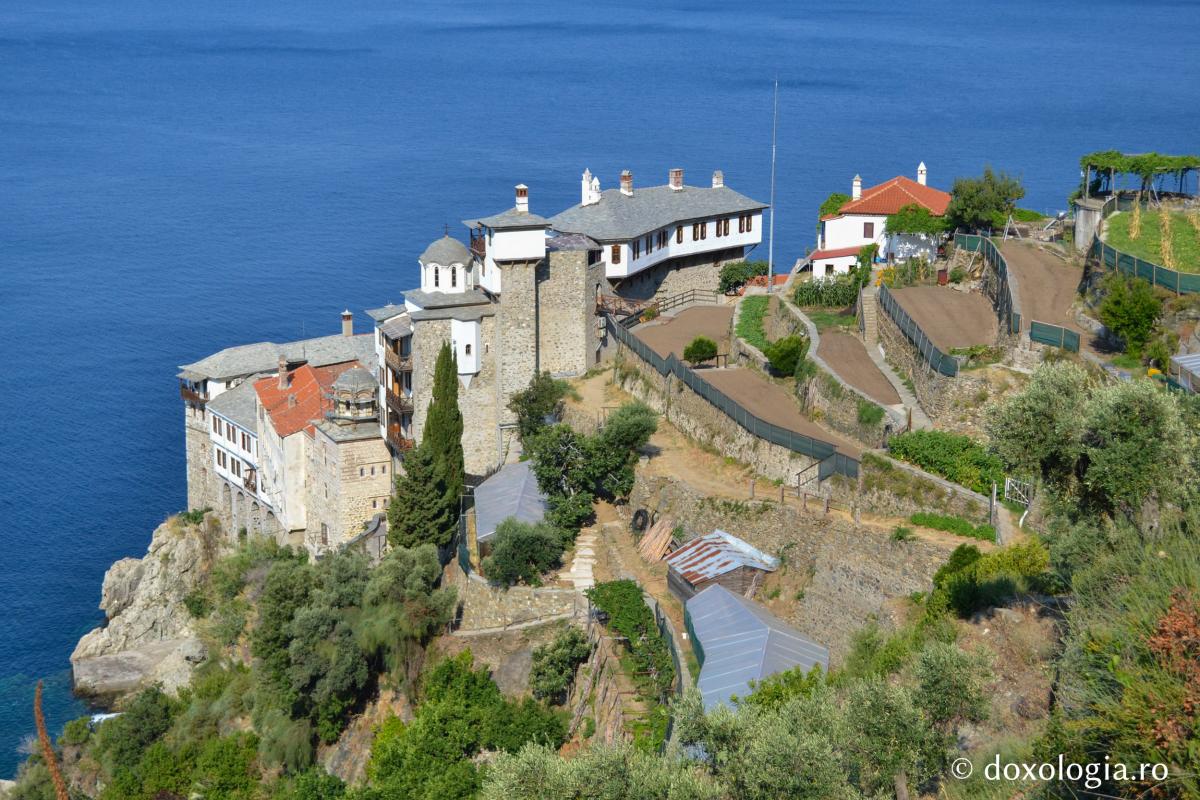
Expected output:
(863, 221)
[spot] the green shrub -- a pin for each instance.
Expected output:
(955, 525)
(734, 276)
(522, 552)
(1129, 309)
(76, 732)
(901, 534)
(953, 456)
(195, 516)
(868, 413)
(787, 354)
(750, 320)
(554, 665)
(537, 402)
(958, 275)
(971, 581)
(699, 350)
(197, 603)
(630, 617)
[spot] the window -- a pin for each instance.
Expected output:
(616, 254)
(678, 234)
(229, 434)
(324, 532)
(703, 230)
(246, 442)
(637, 248)
(362, 471)
(384, 468)
(236, 467)
(437, 279)
(374, 504)
(695, 231)
(745, 223)
(868, 230)
(453, 277)
(725, 226)
(467, 350)
(648, 247)
(742, 223)
(372, 470)
(718, 230)
(829, 269)
(216, 425)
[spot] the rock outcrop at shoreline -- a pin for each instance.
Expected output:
(149, 637)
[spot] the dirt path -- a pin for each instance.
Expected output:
(1045, 285)
(950, 318)
(772, 403)
(847, 356)
(673, 334)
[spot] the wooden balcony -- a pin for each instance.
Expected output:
(250, 481)
(396, 439)
(192, 396)
(396, 361)
(479, 246)
(399, 403)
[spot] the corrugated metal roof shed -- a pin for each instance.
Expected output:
(1190, 362)
(742, 642)
(716, 553)
(511, 492)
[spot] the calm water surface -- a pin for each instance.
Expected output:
(176, 178)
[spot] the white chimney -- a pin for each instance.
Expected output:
(347, 323)
(283, 380)
(585, 188)
(718, 179)
(595, 190)
(675, 178)
(856, 187)
(522, 198)
(627, 183)
(922, 175)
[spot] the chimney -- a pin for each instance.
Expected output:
(718, 179)
(675, 178)
(627, 183)
(922, 173)
(522, 198)
(283, 377)
(856, 187)
(347, 323)
(585, 188)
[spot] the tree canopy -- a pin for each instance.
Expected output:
(914, 218)
(975, 202)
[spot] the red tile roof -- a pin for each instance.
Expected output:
(890, 196)
(836, 253)
(303, 401)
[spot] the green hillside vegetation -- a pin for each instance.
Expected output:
(1147, 245)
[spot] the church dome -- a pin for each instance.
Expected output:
(355, 380)
(446, 251)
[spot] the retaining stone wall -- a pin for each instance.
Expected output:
(937, 393)
(855, 572)
(486, 607)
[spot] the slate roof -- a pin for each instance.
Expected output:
(741, 642)
(460, 313)
(509, 220)
(397, 327)
(385, 312)
(237, 406)
(248, 359)
(572, 241)
(890, 196)
(618, 217)
(511, 492)
(427, 300)
(355, 379)
(446, 250)
(713, 554)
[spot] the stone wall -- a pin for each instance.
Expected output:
(856, 573)
(936, 393)
(890, 488)
(704, 422)
(781, 323)
(566, 306)
(477, 399)
(699, 271)
(596, 693)
(349, 482)
(483, 606)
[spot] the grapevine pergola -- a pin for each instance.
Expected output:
(1148, 167)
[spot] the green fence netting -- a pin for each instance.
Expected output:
(1055, 335)
(1111, 258)
(831, 461)
(1006, 305)
(942, 362)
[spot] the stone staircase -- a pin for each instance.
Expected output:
(580, 573)
(869, 311)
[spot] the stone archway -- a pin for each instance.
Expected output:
(240, 520)
(225, 511)
(255, 518)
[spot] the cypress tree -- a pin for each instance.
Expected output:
(419, 512)
(444, 424)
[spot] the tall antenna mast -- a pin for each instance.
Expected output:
(771, 233)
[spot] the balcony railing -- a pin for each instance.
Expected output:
(396, 361)
(479, 246)
(396, 439)
(192, 396)
(250, 481)
(399, 403)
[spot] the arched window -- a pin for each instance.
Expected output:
(453, 277)
(437, 279)
(467, 351)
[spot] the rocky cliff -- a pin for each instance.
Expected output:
(149, 635)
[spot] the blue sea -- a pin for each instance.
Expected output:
(180, 177)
